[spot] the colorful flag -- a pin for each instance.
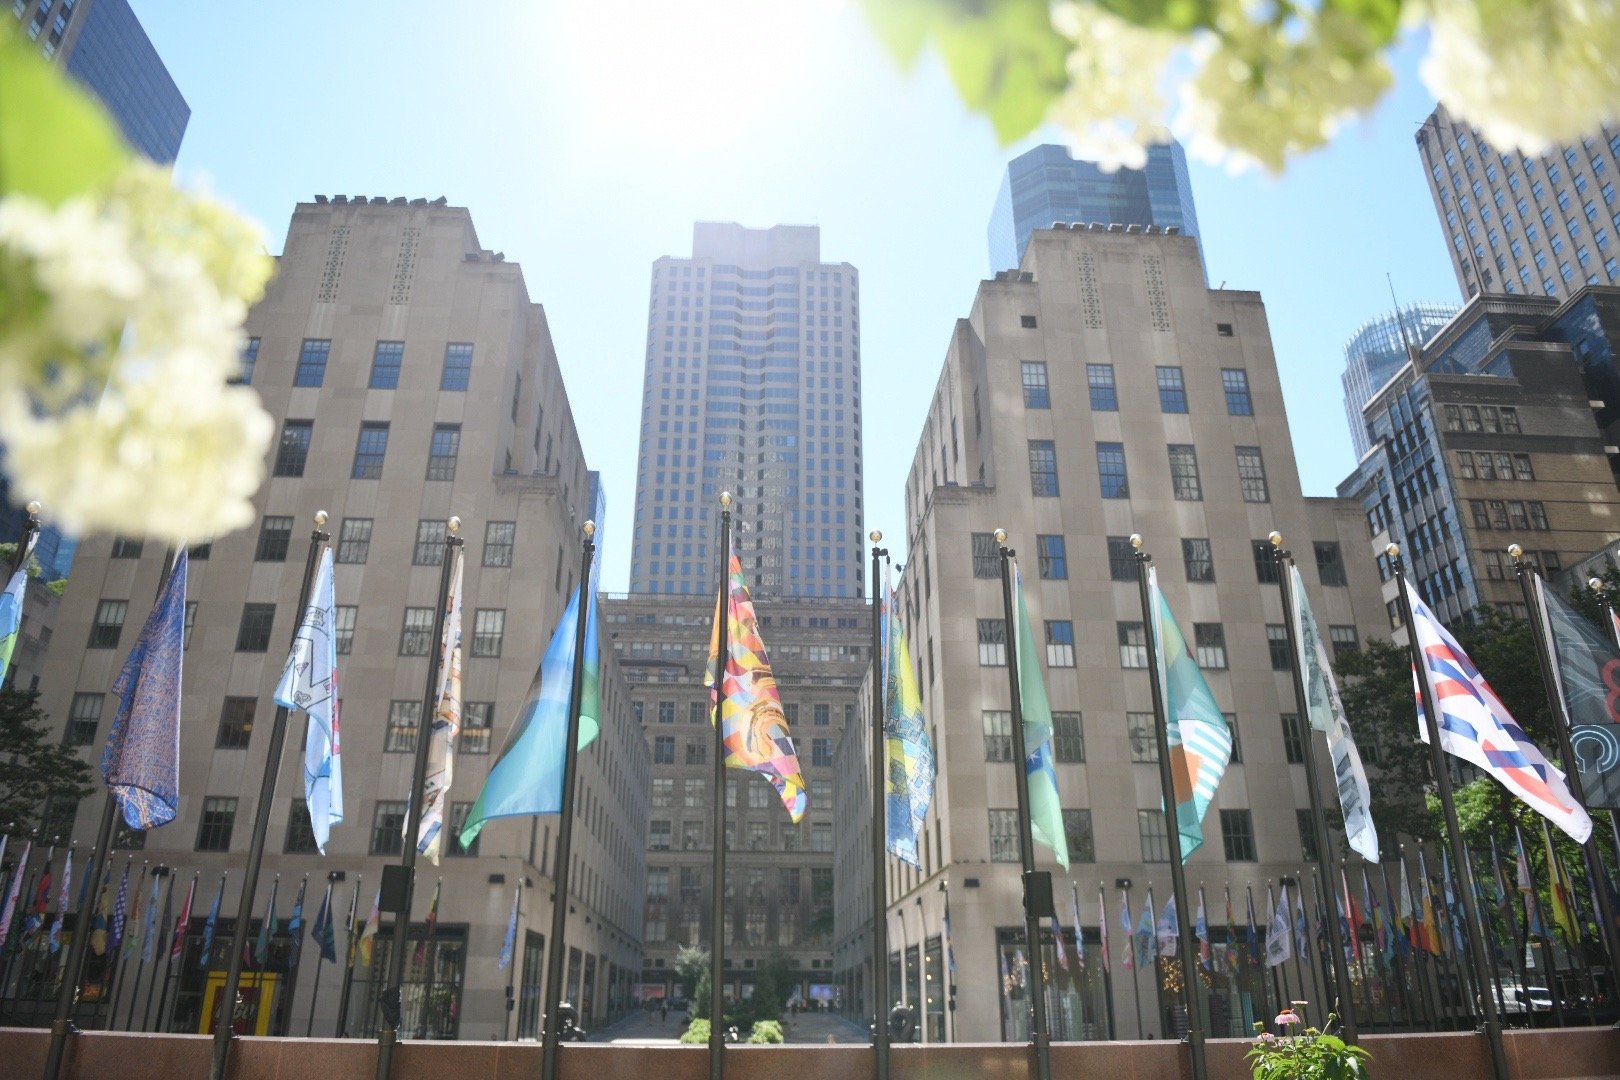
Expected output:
(950, 948)
(446, 725)
(309, 683)
(1169, 930)
(1302, 930)
(42, 899)
(1453, 910)
(1475, 726)
(1045, 807)
(754, 726)
(1584, 662)
(209, 924)
(11, 604)
(149, 928)
(1206, 952)
(1279, 943)
(1199, 740)
(432, 921)
(101, 919)
(1128, 960)
(183, 922)
(1231, 932)
(1433, 940)
(527, 778)
(368, 933)
(119, 913)
(1146, 943)
(1562, 891)
(351, 928)
(509, 942)
(295, 927)
(8, 911)
(321, 929)
(1354, 916)
(911, 765)
(62, 903)
(131, 936)
(141, 762)
(1102, 925)
(1079, 935)
(1326, 713)
(1057, 938)
(267, 928)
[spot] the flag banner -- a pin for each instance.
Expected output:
(62, 902)
(267, 928)
(1302, 930)
(1327, 716)
(1079, 935)
(1562, 891)
(368, 933)
(141, 762)
(527, 777)
(131, 936)
(1201, 930)
(11, 606)
(1145, 941)
(1586, 670)
(1453, 909)
(1279, 942)
(432, 921)
(102, 919)
(321, 929)
(509, 942)
(182, 922)
(1253, 949)
(1200, 742)
(209, 926)
(950, 946)
(119, 913)
(149, 928)
(1045, 808)
(295, 927)
(910, 750)
(309, 684)
(1057, 938)
(1128, 960)
(753, 725)
(8, 911)
(1429, 925)
(42, 899)
(1475, 726)
(446, 726)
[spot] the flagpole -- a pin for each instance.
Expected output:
(1136, 974)
(1107, 961)
(1597, 586)
(389, 1000)
(950, 965)
(320, 958)
(177, 940)
(117, 990)
(1442, 777)
(160, 950)
(1040, 1034)
(880, 891)
(511, 968)
(347, 989)
(1325, 861)
(1178, 874)
(565, 823)
(1595, 871)
(225, 1031)
(717, 884)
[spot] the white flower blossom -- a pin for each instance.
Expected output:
(1113, 108)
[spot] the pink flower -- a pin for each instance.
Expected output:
(1287, 1016)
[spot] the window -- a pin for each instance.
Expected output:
(1026, 322)
(1100, 381)
(822, 715)
(1209, 645)
(343, 620)
(191, 623)
(1329, 563)
(275, 537)
(1344, 642)
(404, 722)
(84, 716)
(1265, 562)
(992, 643)
(1132, 645)
(1223, 329)
(1235, 381)
(312, 363)
(1293, 739)
(416, 633)
(1199, 559)
(1252, 475)
(1077, 834)
(489, 626)
(499, 539)
(1172, 392)
(458, 821)
(1538, 516)
(664, 750)
(1121, 559)
(369, 451)
(1111, 470)
(457, 366)
(1068, 738)
(1184, 473)
(293, 449)
(821, 752)
(1155, 841)
(388, 827)
(477, 721)
(442, 452)
(986, 556)
(385, 362)
(697, 751)
(354, 540)
(250, 360)
(1522, 469)
(1059, 643)
(214, 828)
(1004, 836)
(1036, 394)
(109, 624)
(125, 547)
(1043, 479)
(300, 838)
(1307, 834)
(697, 712)
(254, 633)
(821, 837)
(1237, 744)
(430, 537)
(998, 740)
(1237, 835)
(1277, 642)
(1053, 562)
(236, 723)
(666, 712)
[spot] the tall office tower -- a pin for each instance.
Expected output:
(1505, 429)
(753, 386)
(779, 876)
(410, 377)
(1543, 225)
(1045, 185)
(1101, 391)
(1377, 351)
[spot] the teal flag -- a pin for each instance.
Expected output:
(210, 925)
(910, 750)
(1045, 808)
(11, 606)
(1200, 742)
(267, 927)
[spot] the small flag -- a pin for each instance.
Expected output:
(911, 767)
(11, 604)
(120, 912)
(295, 927)
(102, 919)
(321, 929)
(1254, 931)
(8, 911)
(62, 903)
(183, 922)
(1102, 925)
(446, 727)
(509, 942)
(1302, 932)
(209, 925)
(368, 933)
(141, 762)
(1079, 935)
(432, 921)
(950, 948)
(1146, 943)
(42, 899)
(1562, 891)
(1429, 927)
(1279, 944)
(149, 929)
(309, 683)
(1201, 929)
(267, 928)
(1057, 938)
(1129, 959)
(1453, 912)
(1045, 807)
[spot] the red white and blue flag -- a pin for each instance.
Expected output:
(1476, 726)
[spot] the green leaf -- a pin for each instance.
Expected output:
(55, 139)
(1180, 15)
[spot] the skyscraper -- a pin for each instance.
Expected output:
(753, 386)
(1046, 185)
(1543, 225)
(1376, 352)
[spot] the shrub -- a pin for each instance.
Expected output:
(766, 1031)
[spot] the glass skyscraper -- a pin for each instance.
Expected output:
(1046, 184)
(1376, 352)
(753, 386)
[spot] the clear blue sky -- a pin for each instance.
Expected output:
(586, 138)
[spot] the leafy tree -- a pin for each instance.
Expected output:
(8, 556)
(1375, 683)
(691, 964)
(33, 767)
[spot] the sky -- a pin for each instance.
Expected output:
(586, 138)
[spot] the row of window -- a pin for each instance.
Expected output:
(370, 448)
(1514, 514)
(697, 712)
(1115, 483)
(761, 796)
(219, 813)
(1237, 836)
(1105, 394)
(1488, 465)
(821, 751)
(1208, 641)
(699, 836)
(692, 878)
(1069, 743)
(1500, 419)
(1197, 554)
(387, 359)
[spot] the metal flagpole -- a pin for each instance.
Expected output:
(511, 971)
(950, 966)
(1442, 778)
(1325, 861)
(347, 990)
(160, 951)
(880, 890)
(717, 883)
(1597, 586)
(225, 1004)
(1136, 974)
(1107, 961)
(1178, 875)
(320, 958)
(389, 1001)
(117, 992)
(905, 979)
(177, 940)
(1040, 1033)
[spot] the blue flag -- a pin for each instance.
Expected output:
(11, 606)
(510, 942)
(141, 762)
(321, 929)
(120, 911)
(309, 682)
(209, 925)
(910, 752)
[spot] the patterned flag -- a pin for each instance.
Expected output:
(1326, 713)
(8, 911)
(1562, 891)
(209, 926)
(131, 937)
(1102, 925)
(509, 942)
(1146, 943)
(1079, 935)
(1279, 944)
(11, 605)
(446, 726)
(149, 928)
(1169, 930)
(432, 921)
(754, 726)
(141, 762)
(309, 683)
(119, 913)
(62, 902)
(267, 928)
(1045, 808)
(295, 927)
(1057, 937)
(321, 928)
(1128, 961)
(183, 922)
(1206, 952)
(1476, 726)
(1200, 742)
(368, 933)
(911, 769)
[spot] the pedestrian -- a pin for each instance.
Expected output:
(663, 1010)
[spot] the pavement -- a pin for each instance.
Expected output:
(645, 1029)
